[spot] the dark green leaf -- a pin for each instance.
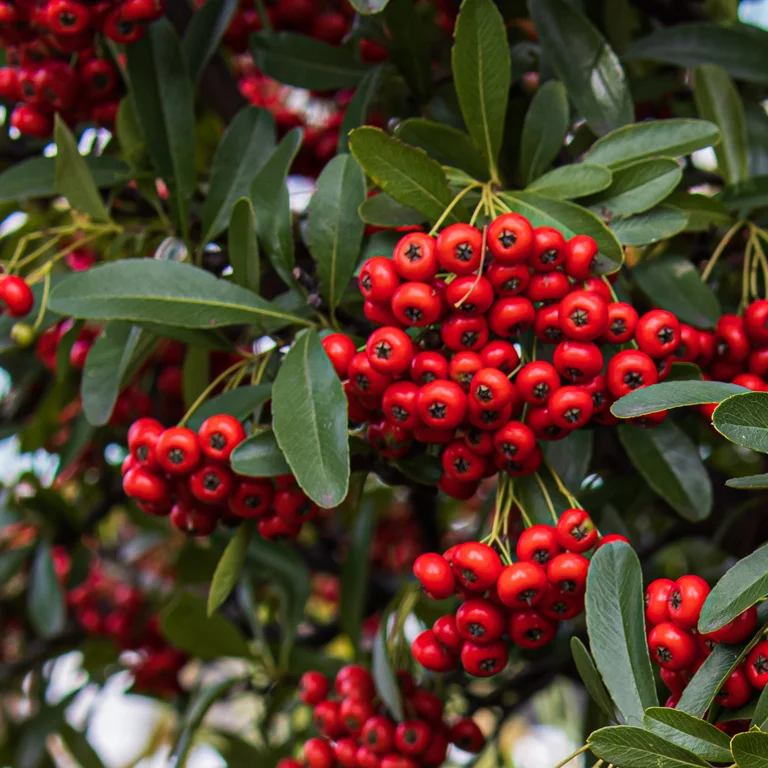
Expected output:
(230, 567)
(530, 495)
(382, 211)
(244, 246)
(546, 124)
(661, 223)
(423, 469)
(632, 747)
(448, 145)
(164, 99)
(651, 138)
(586, 64)
(570, 458)
(387, 685)
(743, 419)
(335, 229)
(675, 284)
(354, 573)
(356, 113)
(750, 750)
(204, 33)
(170, 292)
(242, 152)
(571, 181)
(404, 173)
(482, 74)
(186, 624)
(760, 716)
(718, 101)
(745, 197)
(670, 463)
(305, 62)
(615, 623)
(369, 6)
(133, 147)
(259, 456)
(748, 483)
(309, 411)
(702, 212)
(570, 219)
(672, 394)
(72, 177)
(741, 587)
(80, 438)
(698, 736)
(740, 49)
(240, 403)
(11, 560)
(591, 678)
(46, 605)
(704, 685)
(196, 374)
(408, 44)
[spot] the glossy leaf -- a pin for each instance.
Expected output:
(304, 62)
(403, 172)
(383, 211)
(354, 573)
(230, 566)
(46, 604)
(718, 101)
(72, 178)
(387, 685)
(589, 675)
(482, 74)
(670, 138)
(243, 246)
(196, 374)
(309, 411)
(615, 623)
(423, 469)
(240, 403)
(743, 419)
(407, 31)
(674, 284)
(570, 457)
(704, 685)
(672, 394)
(750, 750)
(151, 290)
(661, 223)
(585, 63)
(243, 150)
(748, 483)
(670, 463)
(546, 124)
(760, 716)
(637, 747)
(369, 6)
(359, 106)
(259, 456)
(570, 181)
(745, 197)
(698, 736)
(204, 34)
(702, 212)
(335, 229)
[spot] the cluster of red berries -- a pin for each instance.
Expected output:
(357, 732)
(672, 610)
(41, 39)
(524, 600)
(185, 474)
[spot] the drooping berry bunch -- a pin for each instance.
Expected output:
(672, 610)
(519, 603)
(356, 730)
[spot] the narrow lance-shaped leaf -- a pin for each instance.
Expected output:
(357, 110)
(703, 687)
(244, 246)
(591, 678)
(672, 394)
(354, 574)
(662, 222)
(259, 456)
(546, 124)
(382, 211)
(230, 567)
(46, 607)
(240, 403)
(571, 181)
(205, 32)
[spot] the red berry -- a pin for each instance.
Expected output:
(575, 531)
(365, 380)
(514, 441)
(399, 404)
(427, 706)
(467, 736)
(476, 566)
(144, 486)
(447, 632)
(621, 324)
(570, 407)
(672, 647)
(219, 436)
(470, 295)
(142, 442)
(340, 350)
(522, 585)
(415, 257)
(389, 350)
(491, 388)
(484, 660)
(686, 599)
(442, 404)
(756, 322)
(345, 752)
(500, 354)
(731, 342)
(580, 254)
(629, 370)
(510, 238)
(293, 506)
(318, 753)
(656, 601)
(756, 665)
(464, 333)
(194, 521)
(538, 544)
(313, 687)
(531, 629)
(560, 607)
(583, 316)
(252, 497)
(354, 713)
(416, 304)
(610, 539)
(31, 121)
(737, 630)
(480, 621)
(412, 737)
(178, 451)
(463, 367)
(355, 682)
(212, 484)
(548, 249)
(578, 361)
(435, 575)
(658, 333)
(508, 279)
(428, 651)
(736, 691)
(462, 463)
(16, 295)
(568, 572)
(548, 287)
(459, 248)
(378, 735)
(536, 382)
(378, 279)
(428, 366)
(508, 317)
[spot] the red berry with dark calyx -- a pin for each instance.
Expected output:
(435, 575)
(736, 691)
(459, 248)
(480, 621)
(522, 585)
(575, 531)
(672, 647)
(583, 316)
(538, 544)
(415, 257)
(568, 573)
(219, 436)
(466, 735)
(657, 601)
(428, 651)
(658, 333)
(484, 660)
(531, 629)
(378, 735)
(510, 239)
(686, 599)
(389, 350)
(412, 737)
(476, 566)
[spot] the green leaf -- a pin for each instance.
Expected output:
(673, 283)
(382, 211)
(634, 747)
(482, 74)
(356, 113)
(164, 99)
(408, 30)
(133, 147)
(661, 223)
(743, 419)
(259, 456)
(741, 587)
(444, 143)
(745, 197)
(243, 246)
(309, 412)
(77, 743)
(404, 173)
(546, 124)
(240, 403)
(354, 573)
(748, 483)
(105, 369)
(186, 624)
(305, 62)
(46, 604)
(698, 736)
(615, 623)
(423, 469)
(740, 49)
(672, 394)
(387, 685)
(670, 463)
(760, 717)
(750, 750)
(151, 290)
(335, 229)
(196, 374)
(701, 211)
(570, 457)
(586, 64)
(636, 187)
(704, 685)
(242, 152)
(204, 33)
(718, 101)
(34, 178)
(368, 6)
(571, 181)
(72, 178)
(230, 567)
(532, 499)
(570, 219)
(651, 138)
(11, 560)
(589, 675)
